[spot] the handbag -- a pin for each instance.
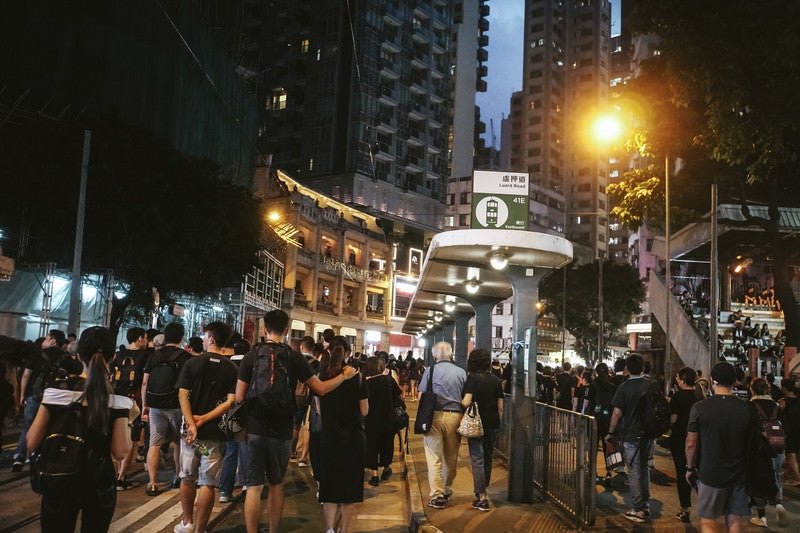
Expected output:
(232, 422)
(399, 413)
(471, 425)
(427, 403)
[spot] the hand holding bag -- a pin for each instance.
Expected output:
(471, 425)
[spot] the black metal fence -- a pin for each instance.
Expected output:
(564, 458)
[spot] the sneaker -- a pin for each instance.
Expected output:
(783, 518)
(17, 465)
(683, 516)
(303, 464)
(374, 481)
(123, 484)
(483, 505)
(438, 502)
(387, 473)
(636, 516)
(476, 502)
(152, 490)
(225, 497)
(760, 521)
(184, 528)
(176, 482)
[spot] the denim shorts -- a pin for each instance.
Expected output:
(713, 502)
(204, 470)
(165, 426)
(267, 459)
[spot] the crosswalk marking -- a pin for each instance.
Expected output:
(140, 512)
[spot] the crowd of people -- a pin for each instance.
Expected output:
(712, 426)
(162, 396)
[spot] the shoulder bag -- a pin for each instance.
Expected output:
(471, 425)
(427, 403)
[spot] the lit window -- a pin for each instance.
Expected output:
(279, 100)
(311, 164)
(304, 46)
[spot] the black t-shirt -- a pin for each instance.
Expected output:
(383, 389)
(209, 378)
(627, 398)
(158, 357)
(600, 394)
(257, 424)
(723, 425)
(791, 416)
(566, 383)
(340, 407)
(485, 389)
(680, 404)
(507, 376)
(547, 389)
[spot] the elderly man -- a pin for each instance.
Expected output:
(442, 441)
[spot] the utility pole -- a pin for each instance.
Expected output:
(75, 296)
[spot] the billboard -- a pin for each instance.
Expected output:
(499, 200)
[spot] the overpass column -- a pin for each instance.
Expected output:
(525, 283)
(461, 348)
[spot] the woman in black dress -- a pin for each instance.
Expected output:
(679, 406)
(342, 441)
(484, 388)
(105, 419)
(383, 391)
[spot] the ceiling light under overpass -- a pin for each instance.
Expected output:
(472, 286)
(498, 260)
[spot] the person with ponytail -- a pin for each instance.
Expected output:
(106, 418)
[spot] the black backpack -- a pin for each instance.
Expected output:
(58, 464)
(653, 412)
(125, 375)
(270, 390)
(163, 380)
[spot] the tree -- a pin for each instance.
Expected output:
(623, 294)
(732, 67)
(154, 217)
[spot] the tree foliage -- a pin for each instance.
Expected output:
(154, 217)
(724, 94)
(623, 294)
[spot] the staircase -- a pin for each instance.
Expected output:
(686, 341)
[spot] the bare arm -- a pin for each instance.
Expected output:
(215, 413)
(38, 428)
(23, 384)
(120, 439)
(691, 450)
(186, 410)
(672, 419)
(500, 407)
(364, 406)
(241, 390)
(321, 388)
(466, 401)
(145, 408)
(612, 426)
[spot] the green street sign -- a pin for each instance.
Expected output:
(499, 200)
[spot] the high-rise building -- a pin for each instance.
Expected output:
(369, 102)
(565, 82)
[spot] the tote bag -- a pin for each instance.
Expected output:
(427, 403)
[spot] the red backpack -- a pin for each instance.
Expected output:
(772, 428)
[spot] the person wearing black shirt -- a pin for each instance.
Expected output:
(679, 406)
(483, 388)
(205, 391)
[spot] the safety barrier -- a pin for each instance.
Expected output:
(564, 458)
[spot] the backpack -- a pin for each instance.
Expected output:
(162, 384)
(270, 389)
(653, 412)
(772, 429)
(57, 466)
(125, 376)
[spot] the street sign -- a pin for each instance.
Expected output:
(499, 200)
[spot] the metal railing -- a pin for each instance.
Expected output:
(564, 458)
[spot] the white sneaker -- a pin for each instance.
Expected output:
(759, 521)
(783, 517)
(184, 528)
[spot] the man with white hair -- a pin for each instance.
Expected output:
(442, 441)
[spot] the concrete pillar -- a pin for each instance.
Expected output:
(461, 347)
(525, 283)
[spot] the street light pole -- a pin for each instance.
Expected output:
(600, 308)
(668, 278)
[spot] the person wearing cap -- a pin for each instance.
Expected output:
(722, 424)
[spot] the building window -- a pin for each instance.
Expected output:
(498, 309)
(463, 198)
(498, 332)
(649, 245)
(463, 220)
(279, 100)
(304, 46)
